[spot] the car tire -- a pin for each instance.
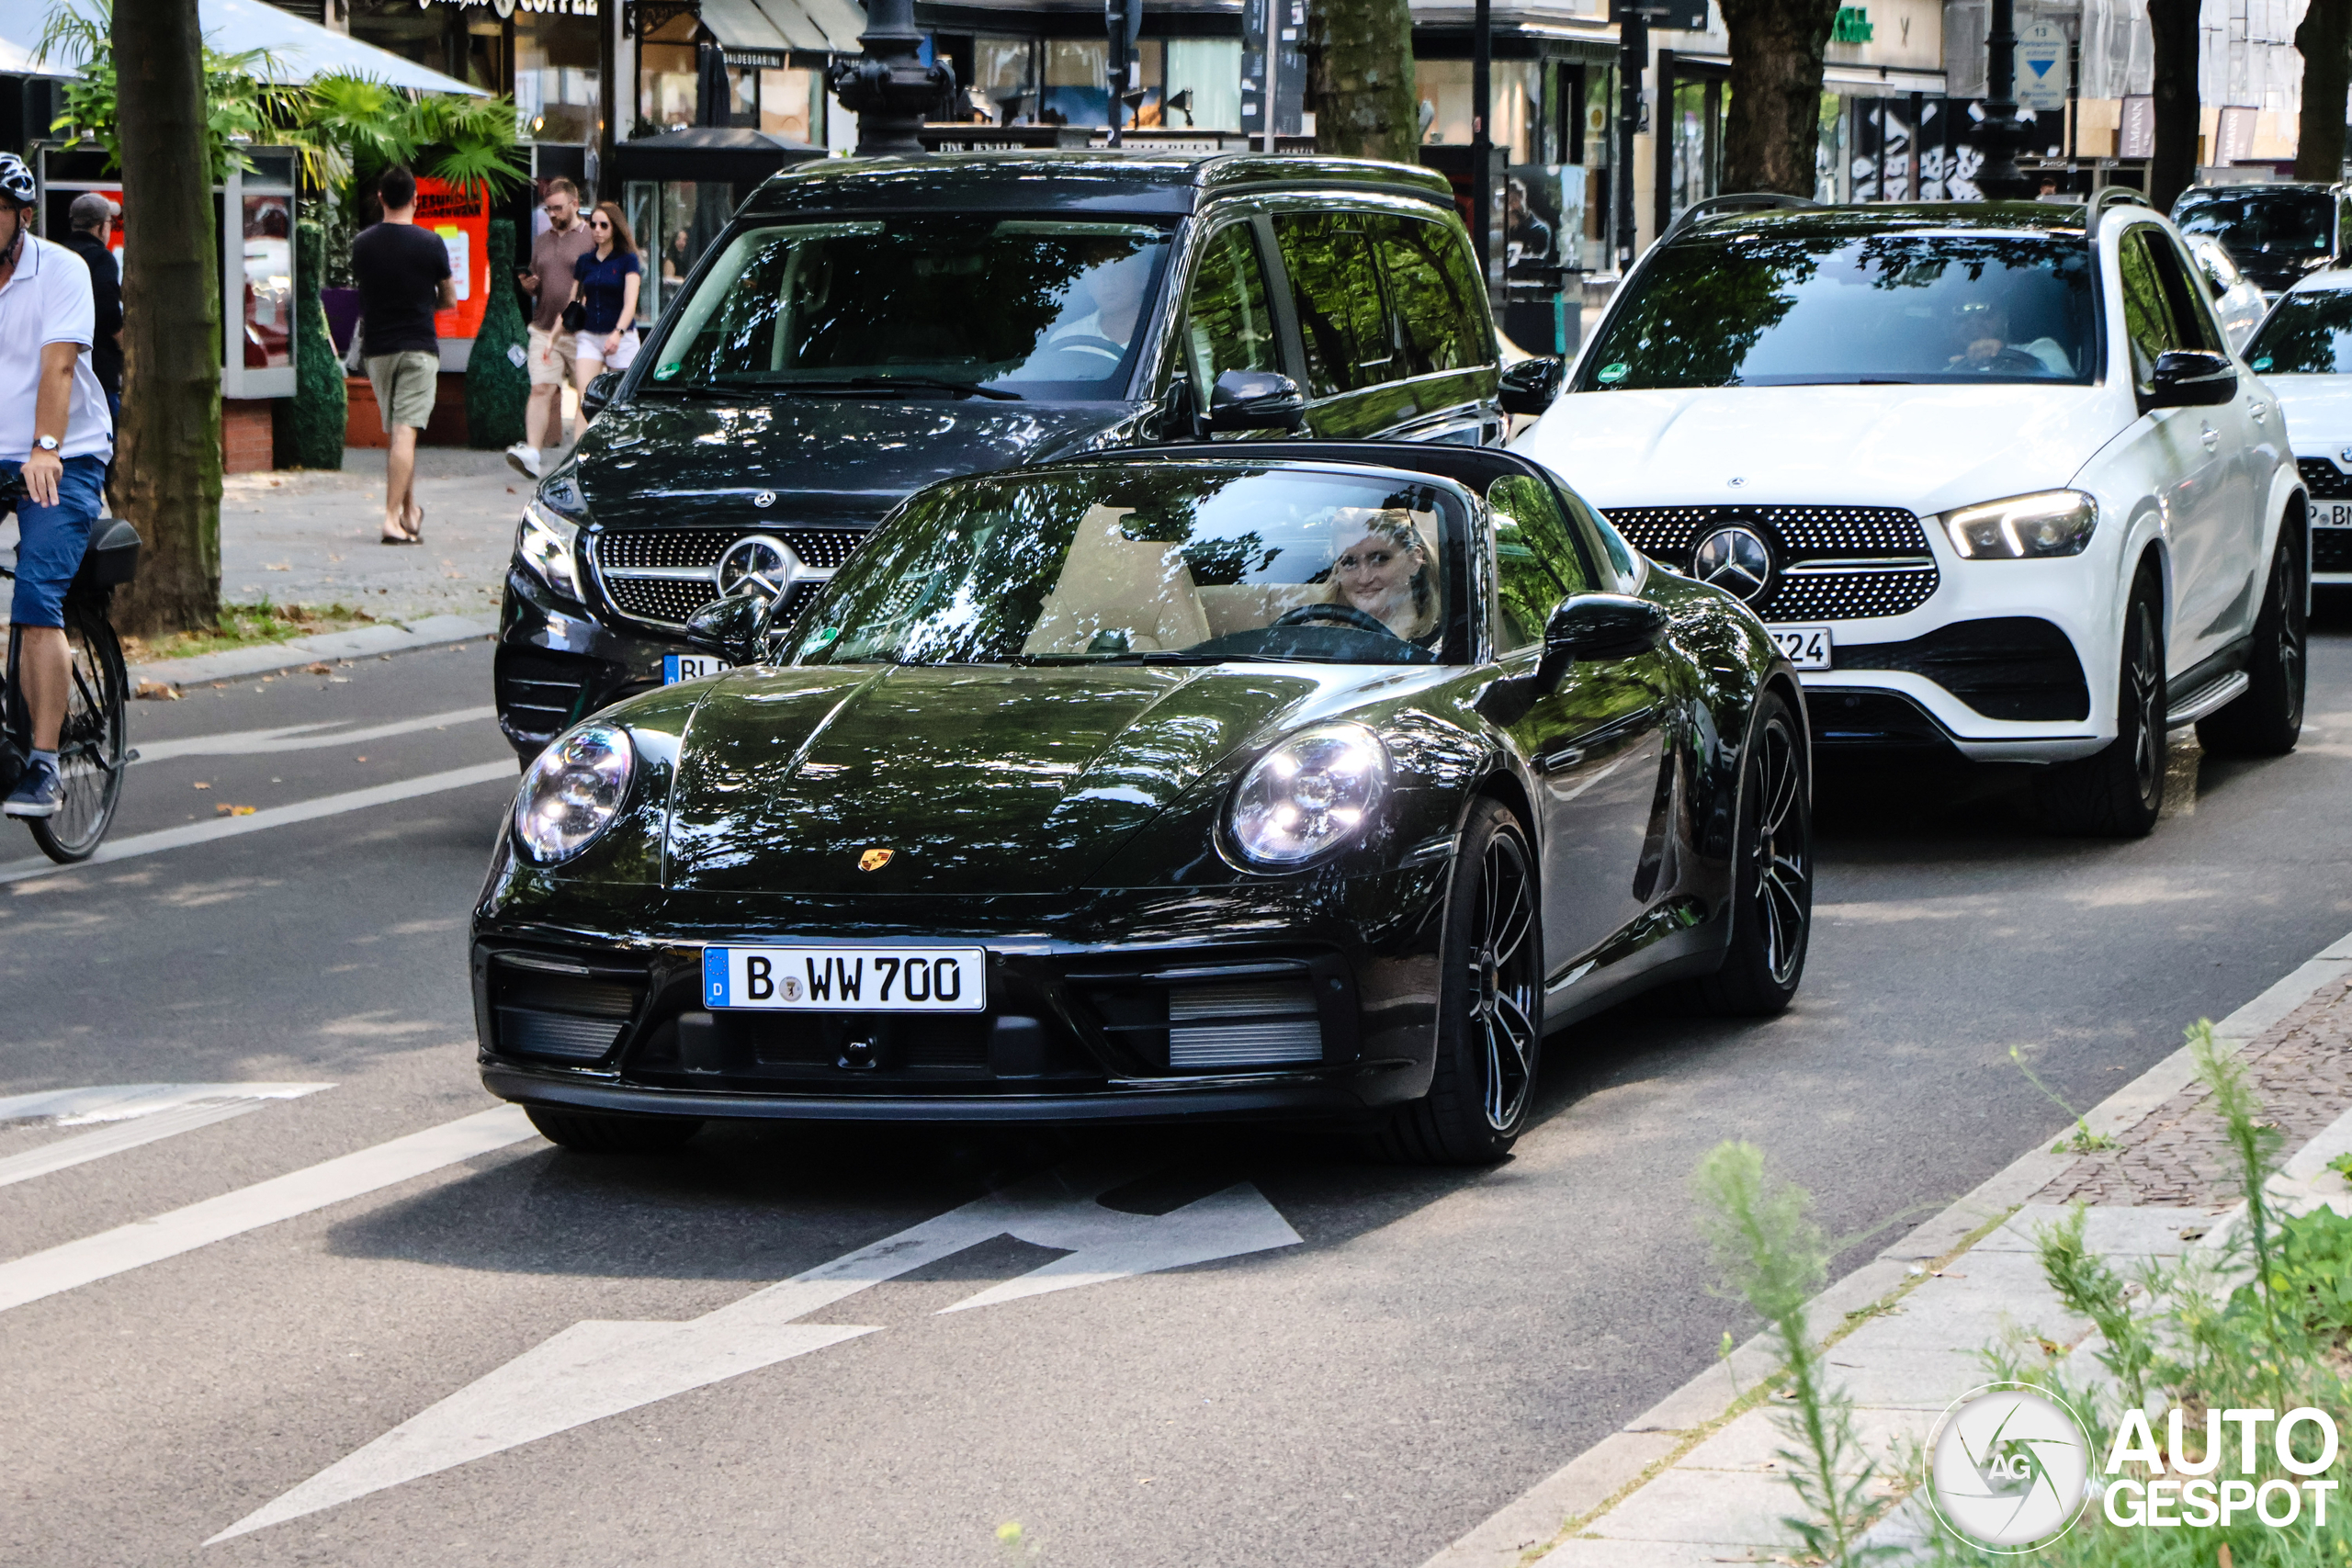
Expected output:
(600, 1132)
(1490, 1004)
(2119, 792)
(2268, 718)
(1771, 912)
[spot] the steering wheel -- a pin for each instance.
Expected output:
(1087, 342)
(1333, 614)
(2012, 358)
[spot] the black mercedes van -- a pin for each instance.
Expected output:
(863, 327)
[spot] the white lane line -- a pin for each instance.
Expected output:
(133, 1114)
(302, 737)
(134, 1246)
(593, 1370)
(272, 817)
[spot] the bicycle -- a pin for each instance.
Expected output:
(92, 746)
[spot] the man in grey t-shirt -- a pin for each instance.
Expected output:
(557, 247)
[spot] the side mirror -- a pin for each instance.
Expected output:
(1602, 626)
(731, 628)
(1254, 400)
(2191, 377)
(1531, 386)
(599, 392)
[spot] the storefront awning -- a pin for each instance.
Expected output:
(1554, 28)
(298, 50)
(779, 27)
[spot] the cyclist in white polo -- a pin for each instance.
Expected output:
(56, 437)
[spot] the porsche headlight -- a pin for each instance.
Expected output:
(573, 792)
(1313, 791)
(547, 544)
(2024, 528)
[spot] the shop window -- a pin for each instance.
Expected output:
(556, 77)
(1210, 70)
(1004, 78)
(792, 104)
(666, 74)
(1076, 89)
(1445, 87)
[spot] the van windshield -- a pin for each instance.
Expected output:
(920, 305)
(1781, 309)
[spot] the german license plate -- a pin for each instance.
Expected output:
(846, 979)
(2331, 513)
(1807, 647)
(677, 667)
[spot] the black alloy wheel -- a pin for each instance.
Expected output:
(1771, 915)
(1490, 1005)
(93, 744)
(2119, 792)
(2268, 718)
(600, 1132)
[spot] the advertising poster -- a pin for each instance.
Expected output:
(461, 219)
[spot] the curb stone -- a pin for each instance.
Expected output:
(427, 631)
(1607, 1475)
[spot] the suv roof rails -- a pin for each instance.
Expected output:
(2112, 196)
(1742, 202)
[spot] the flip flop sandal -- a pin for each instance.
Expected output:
(416, 534)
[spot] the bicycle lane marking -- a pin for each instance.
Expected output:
(78, 1263)
(126, 1116)
(269, 817)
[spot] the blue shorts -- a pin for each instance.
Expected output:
(50, 539)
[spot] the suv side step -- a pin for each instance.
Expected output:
(2217, 692)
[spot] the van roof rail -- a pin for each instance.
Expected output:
(1720, 205)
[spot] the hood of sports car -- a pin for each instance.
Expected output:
(1928, 447)
(975, 779)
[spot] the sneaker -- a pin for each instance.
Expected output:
(525, 459)
(37, 793)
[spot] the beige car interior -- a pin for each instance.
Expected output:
(1143, 594)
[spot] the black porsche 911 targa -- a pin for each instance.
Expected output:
(1237, 781)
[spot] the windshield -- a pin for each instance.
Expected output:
(1779, 310)
(1028, 307)
(2273, 222)
(2305, 334)
(1151, 563)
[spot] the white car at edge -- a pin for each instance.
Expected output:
(1998, 483)
(2304, 352)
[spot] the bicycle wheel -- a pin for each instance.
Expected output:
(92, 743)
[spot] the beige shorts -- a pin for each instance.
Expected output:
(406, 385)
(551, 357)
(624, 355)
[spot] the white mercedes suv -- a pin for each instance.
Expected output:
(1991, 473)
(2304, 352)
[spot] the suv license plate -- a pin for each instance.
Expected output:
(677, 667)
(2331, 513)
(846, 979)
(1807, 647)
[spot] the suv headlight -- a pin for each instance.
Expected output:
(547, 544)
(1313, 791)
(573, 792)
(2024, 528)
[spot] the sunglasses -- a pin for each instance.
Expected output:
(599, 223)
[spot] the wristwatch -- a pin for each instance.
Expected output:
(46, 442)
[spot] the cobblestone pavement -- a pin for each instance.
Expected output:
(2179, 1156)
(308, 536)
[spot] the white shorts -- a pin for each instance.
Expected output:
(591, 350)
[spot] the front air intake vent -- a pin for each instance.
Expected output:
(559, 1010)
(1248, 1024)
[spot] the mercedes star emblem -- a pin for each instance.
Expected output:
(1737, 561)
(765, 499)
(761, 555)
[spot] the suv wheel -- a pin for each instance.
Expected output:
(2267, 719)
(2117, 793)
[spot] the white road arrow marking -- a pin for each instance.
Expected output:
(594, 1370)
(134, 1113)
(302, 737)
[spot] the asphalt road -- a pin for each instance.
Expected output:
(1428, 1345)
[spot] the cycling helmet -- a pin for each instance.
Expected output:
(15, 180)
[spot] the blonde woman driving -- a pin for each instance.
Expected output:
(1383, 577)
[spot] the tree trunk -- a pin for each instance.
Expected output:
(2173, 24)
(1772, 135)
(2324, 41)
(168, 449)
(1360, 79)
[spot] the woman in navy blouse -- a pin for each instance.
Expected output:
(607, 281)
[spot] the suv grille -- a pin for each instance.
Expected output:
(2325, 480)
(1831, 563)
(664, 575)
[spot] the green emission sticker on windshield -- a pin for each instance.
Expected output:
(1611, 373)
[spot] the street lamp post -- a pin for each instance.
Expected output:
(1633, 58)
(2000, 179)
(889, 87)
(1482, 178)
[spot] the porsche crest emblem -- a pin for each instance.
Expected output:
(874, 860)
